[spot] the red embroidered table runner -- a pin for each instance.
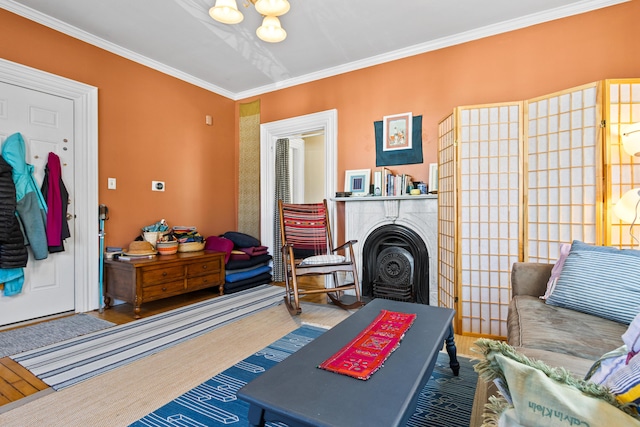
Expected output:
(366, 353)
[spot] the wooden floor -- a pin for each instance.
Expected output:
(16, 382)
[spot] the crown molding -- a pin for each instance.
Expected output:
(70, 30)
(476, 34)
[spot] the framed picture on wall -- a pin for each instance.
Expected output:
(357, 181)
(396, 131)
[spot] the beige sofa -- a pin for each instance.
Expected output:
(558, 336)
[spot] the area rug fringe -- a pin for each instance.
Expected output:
(66, 363)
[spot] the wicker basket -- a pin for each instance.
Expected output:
(191, 247)
(167, 248)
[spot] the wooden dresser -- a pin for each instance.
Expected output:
(164, 276)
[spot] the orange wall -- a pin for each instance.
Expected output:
(514, 66)
(151, 127)
(510, 67)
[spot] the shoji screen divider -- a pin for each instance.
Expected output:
(564, 173)
(447, 237)
(489, 213)
(481, 216)
(517, 179)
(622, 108)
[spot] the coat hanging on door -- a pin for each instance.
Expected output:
(13, 253)
(32, 208)
(56, 195)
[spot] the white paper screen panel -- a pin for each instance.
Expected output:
(489, 209)
(562, 159)
(624, 109)
(446, 213)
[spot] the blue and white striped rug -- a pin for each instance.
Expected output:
(445, 401)
(69, 362)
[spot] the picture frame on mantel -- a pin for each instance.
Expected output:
(397, 132)
(357, 182)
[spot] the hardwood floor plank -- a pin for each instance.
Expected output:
(4, 400)
(17, 382)
(24, 374)
(7, 373)
(24, 388)
(9, 391)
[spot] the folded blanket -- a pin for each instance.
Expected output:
(234, 277)
(240, 270)
(239, 255)
(251, 262)
(619, 370)
(247, 283)
(534, 394)
(255, 250)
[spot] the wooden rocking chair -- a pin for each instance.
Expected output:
(307, 249)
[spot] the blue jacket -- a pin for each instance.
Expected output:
(31, 208)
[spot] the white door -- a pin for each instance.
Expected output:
(46, 123)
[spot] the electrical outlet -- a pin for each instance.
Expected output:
(111, 183)
(157, 185)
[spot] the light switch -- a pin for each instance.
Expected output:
(111, 183)
(208, 120)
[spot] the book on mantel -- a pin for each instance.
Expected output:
(392, 184)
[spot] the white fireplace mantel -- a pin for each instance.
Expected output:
(363, 215)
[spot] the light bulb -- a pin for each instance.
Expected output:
(226, 11)
(272, 7)
(271, 31)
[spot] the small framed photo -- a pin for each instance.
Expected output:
(357, 181)
(396, 131)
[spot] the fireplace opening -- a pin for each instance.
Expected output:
(395, 265)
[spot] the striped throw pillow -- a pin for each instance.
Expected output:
(600, 280)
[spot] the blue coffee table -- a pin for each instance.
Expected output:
(297, 393)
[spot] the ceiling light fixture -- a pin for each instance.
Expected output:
(226, 11)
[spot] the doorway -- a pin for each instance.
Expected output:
(325, 123)
(84, 99)
(307, 167)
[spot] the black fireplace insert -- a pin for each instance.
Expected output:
(395, 265)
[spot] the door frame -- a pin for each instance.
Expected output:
(85, 102)
(326, 121)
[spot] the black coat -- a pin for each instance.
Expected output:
(13, 252)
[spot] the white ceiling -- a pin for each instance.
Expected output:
(325, 37)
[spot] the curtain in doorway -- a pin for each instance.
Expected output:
(283, 192)
(249, 169)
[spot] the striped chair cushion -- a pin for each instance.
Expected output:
(599, 280)
(323, 259)
(305, 227)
